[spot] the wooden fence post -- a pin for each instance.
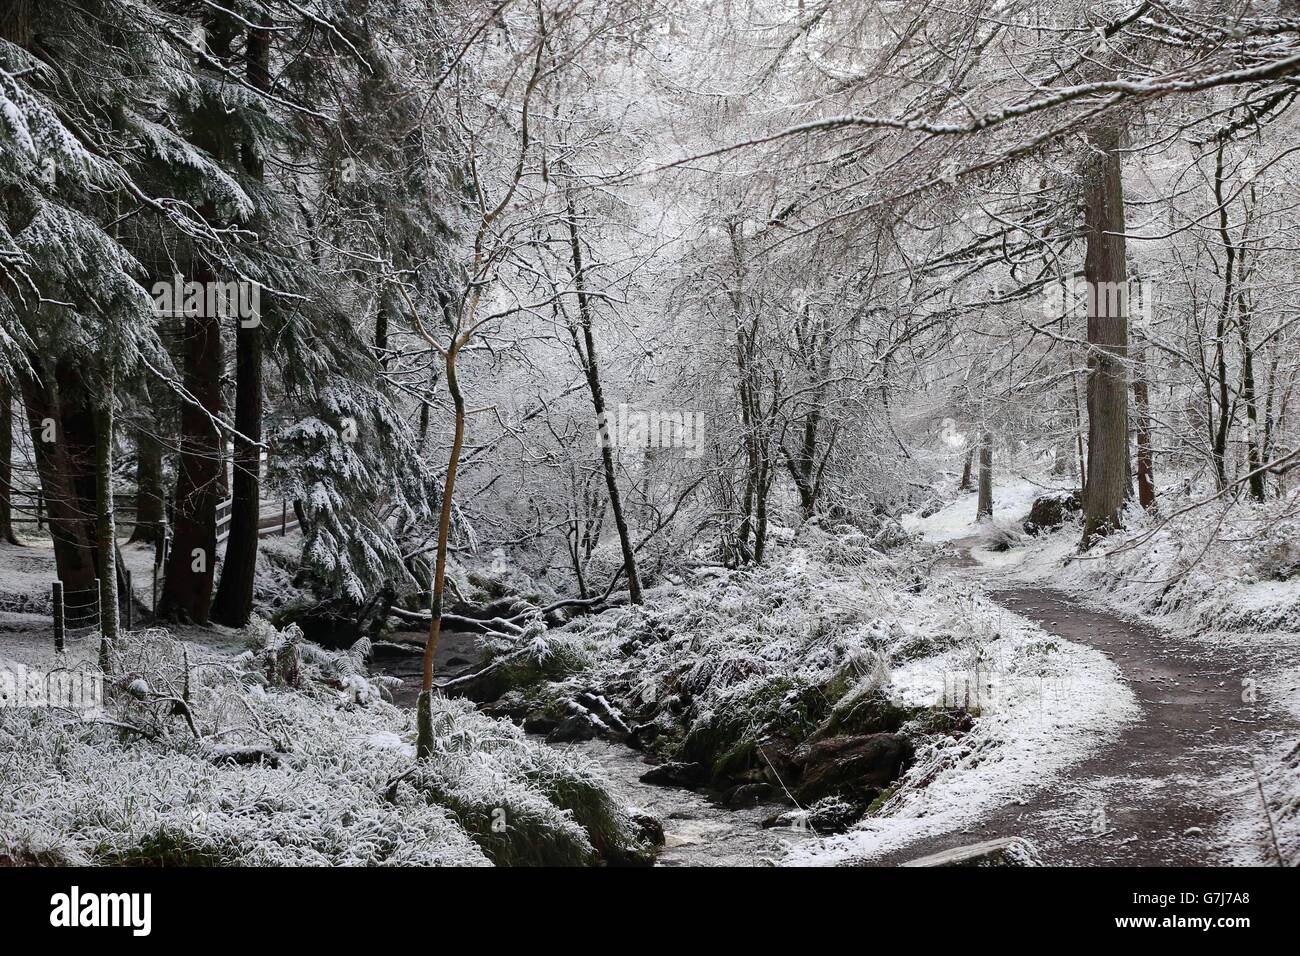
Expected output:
(284, 518)
(56, 597)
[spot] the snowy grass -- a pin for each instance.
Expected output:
(133, 783)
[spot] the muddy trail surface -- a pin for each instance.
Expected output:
(1162, 793)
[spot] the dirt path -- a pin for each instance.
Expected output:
(1161, 794)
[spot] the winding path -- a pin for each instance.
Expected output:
(1163, 792)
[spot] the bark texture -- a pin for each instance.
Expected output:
(984, 508)
(1106, 275)
(187, 592)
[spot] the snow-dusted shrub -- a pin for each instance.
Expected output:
(1233, 570)
(1278, 841)
(1000, 535)
(324, 774)
(798, 648)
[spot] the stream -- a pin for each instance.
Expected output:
(697, 832)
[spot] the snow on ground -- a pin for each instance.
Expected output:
(133, 782)
(1012, 498)
(1045, 704)
(25, 577)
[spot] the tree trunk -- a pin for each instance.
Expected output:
(764, 486)
(187, 592)
(106, 526)
(1220, 433)
(1145, 464)
(1254, 453)
(966, 470)
(591, 367)
(233, 605)
(984, 507)
(6, 465)
(424, 703)
(200, 472)
(16, 21)
(16, 27)
(1106, 276)
(1249, 392)
(150, 521)
(70, 529)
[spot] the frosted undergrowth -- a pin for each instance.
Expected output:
(1208, 569)
(828, 613)
(831, 616)
(82, 788)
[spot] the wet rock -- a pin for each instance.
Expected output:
(540, 724)
(1050, 511)
(856, 767)
(648, 829)
(773, 756)
(1008, 851)
(748, 795)
(572, 729)
(511, 706)
(685, 775)
(825, 817)
(605, 712)
(643, 735)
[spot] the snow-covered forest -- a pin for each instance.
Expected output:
(609, 432)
